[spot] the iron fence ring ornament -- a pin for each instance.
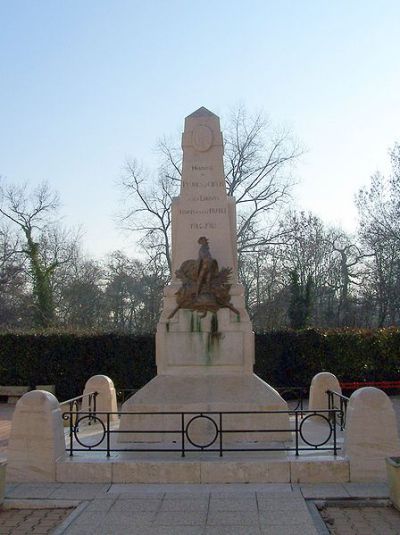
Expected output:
(208, 444)
(91, 417)
(315, 415)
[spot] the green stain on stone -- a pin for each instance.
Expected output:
(195, 323)
(213, 339)
(214, 323)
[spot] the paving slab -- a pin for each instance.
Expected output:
(300, 529)
(283, 507)
(276, 518)
(367, 490)
(233, 518)
(186, 505)
(101, 504)
(327, 490)
(232, 530)
(180, 518)
(83, 491)
(31, 490)
(174, 497)
(233, 504)
(140, 505)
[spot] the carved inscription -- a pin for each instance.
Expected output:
(202, 226)
(206, 211)
(202, 167)
(205, 198)
(195, 184)
(206, 185)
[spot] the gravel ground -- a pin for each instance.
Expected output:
(361, 520)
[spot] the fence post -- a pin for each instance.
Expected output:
(370, 434)
(319, 385)
(36, 439)
(106, 400)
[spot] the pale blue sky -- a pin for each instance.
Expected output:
(85, 84)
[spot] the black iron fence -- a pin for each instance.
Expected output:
(300, 435)
(75, 407)
(294, 394)
(339, 402)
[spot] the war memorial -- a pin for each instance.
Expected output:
(206, 417)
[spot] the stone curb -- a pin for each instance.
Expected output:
(38, 503)
(316, 518)
(70, 518)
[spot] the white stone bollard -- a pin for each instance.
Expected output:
(36, 439)
(371, 434)
(319, 385)
(106, 400)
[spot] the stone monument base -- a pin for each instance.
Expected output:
(205, 394)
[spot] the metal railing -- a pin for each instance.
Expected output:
(220, 430)
(339, 402)
(295, 394)
(75, 406)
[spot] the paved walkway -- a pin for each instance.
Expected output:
(274, 509)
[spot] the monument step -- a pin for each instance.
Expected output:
(241, 467)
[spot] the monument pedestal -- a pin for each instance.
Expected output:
(205, 365)
(204, 342)
(206, 394)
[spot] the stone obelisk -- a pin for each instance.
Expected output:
(204, 341)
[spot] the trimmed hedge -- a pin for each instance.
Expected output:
(69, 360)
(283, 358)
(292, 358)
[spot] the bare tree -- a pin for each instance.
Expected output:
(148, 210)
(9, 246)
(81, 302)
(32, 213)
(259, 164)
(351, 271)
(133, 293)
(379, 211)
(13, 300)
